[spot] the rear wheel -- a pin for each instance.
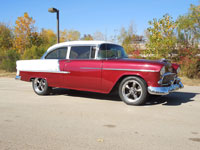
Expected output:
(133, 91)
(40, 86)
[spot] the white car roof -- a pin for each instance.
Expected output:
(74, 43)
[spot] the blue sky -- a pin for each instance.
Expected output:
(88, 16)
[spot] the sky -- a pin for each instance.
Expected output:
(89, 16)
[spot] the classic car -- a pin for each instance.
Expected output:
(99, 66)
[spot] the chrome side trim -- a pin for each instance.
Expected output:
(90, 68)
(66, 72)
(140, 70)
(118, 69)
(18, 78)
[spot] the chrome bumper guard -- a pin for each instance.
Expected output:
(18, 78)
(165, 90)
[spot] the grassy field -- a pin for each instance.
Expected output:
(190, 82)
(7, 74)
(185, 80)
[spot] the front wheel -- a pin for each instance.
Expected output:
(40, 86)
(133, 91)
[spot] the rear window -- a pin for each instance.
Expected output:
(59, 53)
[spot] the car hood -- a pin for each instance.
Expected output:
(162, 62)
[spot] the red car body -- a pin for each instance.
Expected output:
(97, 75)
(101, 75)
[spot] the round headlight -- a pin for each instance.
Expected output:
(162, 71)
(178, 70)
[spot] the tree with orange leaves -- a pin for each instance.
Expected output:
(23, 31)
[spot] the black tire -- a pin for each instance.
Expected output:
(40, 86)
(133, 90)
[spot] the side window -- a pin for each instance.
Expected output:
(111, 51)
(82, 52)
(59, 53)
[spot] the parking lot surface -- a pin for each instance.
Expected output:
(74, 120)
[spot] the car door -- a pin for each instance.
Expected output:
(55, 79)
(84, 70)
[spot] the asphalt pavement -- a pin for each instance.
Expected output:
(74, 120)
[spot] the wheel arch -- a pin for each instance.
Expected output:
(118, 81)
(32, 78)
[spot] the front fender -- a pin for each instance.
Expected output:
(110, 78)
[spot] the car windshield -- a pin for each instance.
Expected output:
(111, 51)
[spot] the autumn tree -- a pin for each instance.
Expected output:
(36, 39)
(63, 36)
(6, 37)
(8, 62)
(39, 43)
(24, 29)
(48, 36)
(73, 35)
(188, 32)
(161, 37)
(87, 37)
(8, 55)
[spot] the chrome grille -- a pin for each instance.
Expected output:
(167, 79)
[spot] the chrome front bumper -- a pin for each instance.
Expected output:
(165, 90)
(18, 78)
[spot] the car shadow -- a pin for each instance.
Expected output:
(91, 95)
(173, 99)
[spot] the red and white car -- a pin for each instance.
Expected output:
(99, 66)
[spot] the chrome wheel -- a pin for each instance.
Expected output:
(40, 86)
(132, 90)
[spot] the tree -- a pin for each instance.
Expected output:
(162, 40)
(72, 35)
(34, 52)
(36, 39)
(39, 43)
(8, 55)
(189, 27)
(24, 29)
(6, 37)
(69, 35)
(98, 36)
(9, 60)
(123, 34)
(6, 40)
(48, 36)
(87, 37)
(130, 40)
(188, 33)
(63, 36)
